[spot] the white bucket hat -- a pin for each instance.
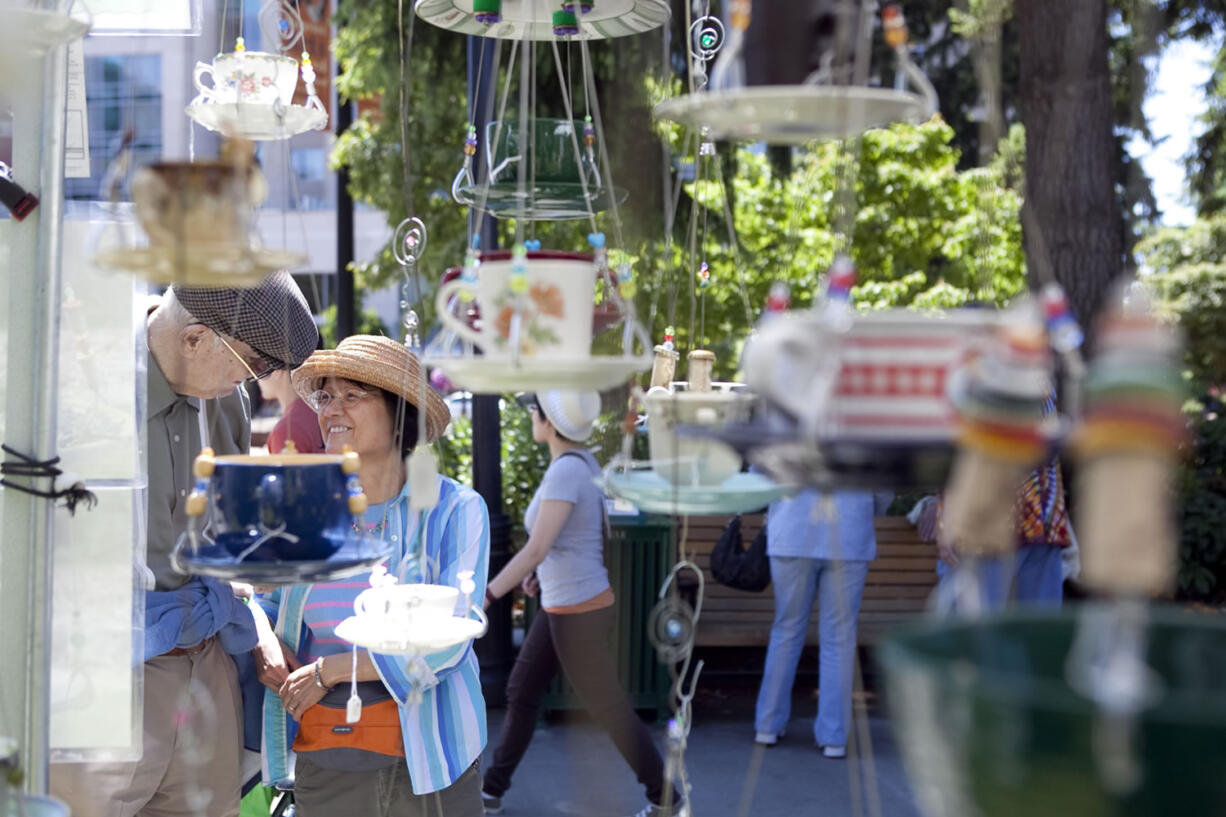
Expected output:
(573, 413)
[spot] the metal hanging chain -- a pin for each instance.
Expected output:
(570, 115)
(734, 242)
(221, 31)
(405, 42)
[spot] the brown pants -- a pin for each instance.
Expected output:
(320, 792)
(192, 747)
(578, 643)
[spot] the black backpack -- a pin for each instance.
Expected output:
(734, 566)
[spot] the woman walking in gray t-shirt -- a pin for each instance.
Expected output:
(565, 523)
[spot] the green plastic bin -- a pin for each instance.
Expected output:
(638, 559)
(989, 727)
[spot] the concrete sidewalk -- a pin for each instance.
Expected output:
(573, 770)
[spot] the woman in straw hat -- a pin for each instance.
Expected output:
(566, 523)
(422, 727)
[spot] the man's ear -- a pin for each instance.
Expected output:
(194, 339)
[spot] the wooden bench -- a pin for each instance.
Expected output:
(899, 581)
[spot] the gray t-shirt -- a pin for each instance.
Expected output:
(573, 570)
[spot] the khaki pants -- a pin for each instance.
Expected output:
(192, 747)
(386, 792)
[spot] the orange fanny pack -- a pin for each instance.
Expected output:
(323, 726)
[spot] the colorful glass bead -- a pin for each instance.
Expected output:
(470, 142)
(487, 12)
(779, 298)
(895, 26)
(669, 334)
(704, 276)
(589, 131)
(840, 278)
(565, 24)
(1066, 334)
(239, 45)
(584, 6)
(739, 14)
(518, 281)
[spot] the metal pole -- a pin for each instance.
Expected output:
(346, 302)
(30, 380)
(494, 650)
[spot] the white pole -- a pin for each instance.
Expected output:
(30, 377)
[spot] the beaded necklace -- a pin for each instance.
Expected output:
(372, 528)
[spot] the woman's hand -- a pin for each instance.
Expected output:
(531, 585)
(300, 692)
(274, 661)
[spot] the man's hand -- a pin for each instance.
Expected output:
(274, 661)
(946, 550)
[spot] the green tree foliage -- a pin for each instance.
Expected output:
(925, 234)
(1206, 163)
(1188, 267)
(1188, 271)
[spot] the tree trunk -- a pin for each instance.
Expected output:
(1073, 231)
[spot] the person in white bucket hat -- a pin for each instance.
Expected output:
(564, 559)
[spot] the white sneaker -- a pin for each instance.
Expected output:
(652, 810)
(766, 738)
(834, 751)
(491, 804)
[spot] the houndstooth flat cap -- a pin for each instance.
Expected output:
(272, 318)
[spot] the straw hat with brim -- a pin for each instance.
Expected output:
(378, 362)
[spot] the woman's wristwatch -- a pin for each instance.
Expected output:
(319, 676)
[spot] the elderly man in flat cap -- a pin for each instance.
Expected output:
(203, 345)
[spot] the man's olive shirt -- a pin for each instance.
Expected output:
(172, 442)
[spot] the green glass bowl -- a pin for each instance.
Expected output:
(989, 727)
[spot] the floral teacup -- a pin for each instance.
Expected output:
(555, 308)
(248, 76)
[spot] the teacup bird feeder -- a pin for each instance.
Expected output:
(250, 94)
(777, 81)
(199, 217)
(691, 474)
(281, 519)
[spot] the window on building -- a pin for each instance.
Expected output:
(123, 92)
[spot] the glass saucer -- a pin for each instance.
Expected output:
(249, 120)
(533, 20)
(793, 114)
(358, 554)
(486, 376)
(33, 32)
(385, 635)
(651, 493)
(546, 201)
(199, 267)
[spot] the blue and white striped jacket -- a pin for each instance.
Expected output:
(445, 732)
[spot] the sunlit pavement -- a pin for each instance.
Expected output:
(572, 768)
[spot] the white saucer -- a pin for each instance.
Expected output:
(250, 120)
(389, 637)
(793, 114)
(198, 267)
(478, 374)
(651, 493)
(533, 20)
(34, 32)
